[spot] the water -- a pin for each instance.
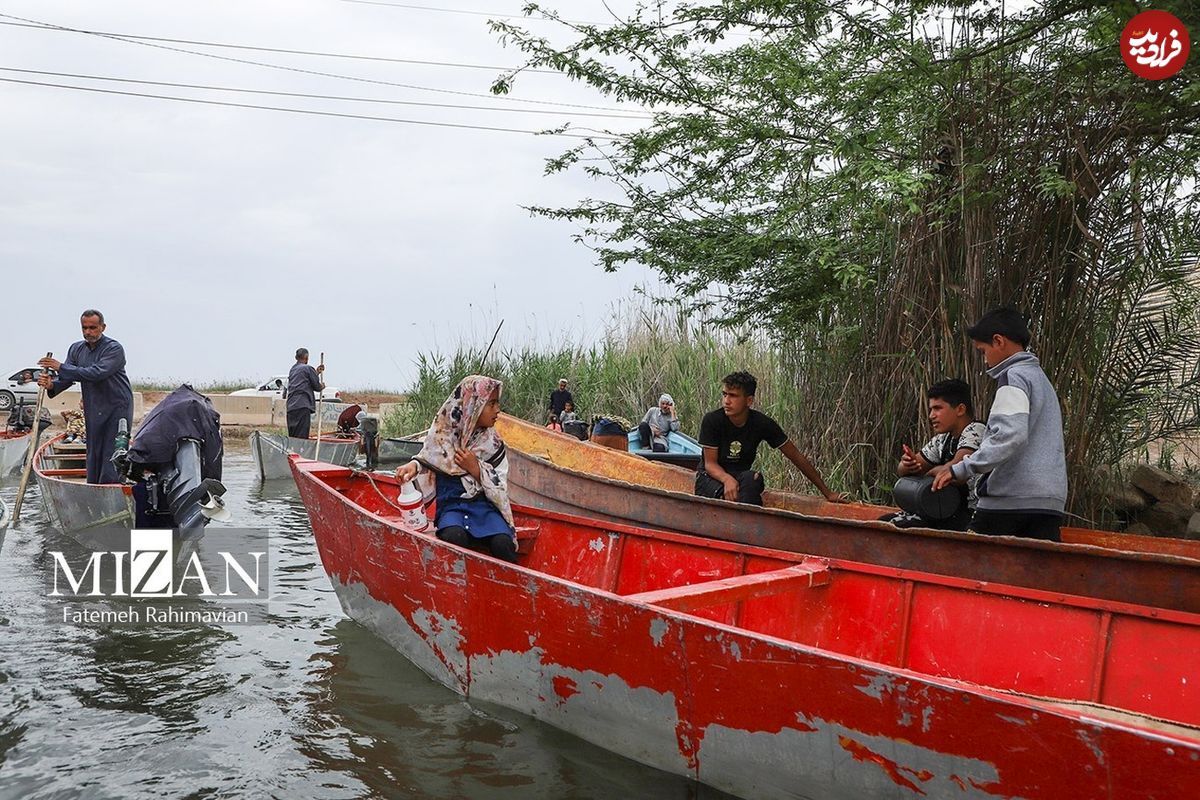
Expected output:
(311, 705)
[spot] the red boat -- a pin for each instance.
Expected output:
(768, 673)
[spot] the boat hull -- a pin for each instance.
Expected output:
(398, 451)
(92, 513)
(13, 450)
(269, 452)
(749, 714)
(1165, 579)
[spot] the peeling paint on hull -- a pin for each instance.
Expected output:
(747, 713)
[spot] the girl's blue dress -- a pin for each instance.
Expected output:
(477, 515)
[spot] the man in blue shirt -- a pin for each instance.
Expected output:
(98, 363)
(303, 384)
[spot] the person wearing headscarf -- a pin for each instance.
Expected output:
(659, 421)
(463, 464)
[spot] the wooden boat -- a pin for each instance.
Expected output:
(269, 452)
(75, 506)
(398, 451)
(682, 450)
(558, 473)
(13, 448)
(768, 673)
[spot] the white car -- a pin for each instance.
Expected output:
(12, 390)
(274, 386)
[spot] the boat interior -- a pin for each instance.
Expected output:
(58, 459)
(1111, 657)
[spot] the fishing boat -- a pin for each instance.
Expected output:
(170, 475)
(269, 451)
(399, 451)
(769, 673)
(13, 447)
(558, 473)
(682, 450)
(74, 505)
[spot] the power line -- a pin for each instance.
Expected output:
(319, 53)
(598, 135)
(412, 7)
(307, 95)
(313, 72)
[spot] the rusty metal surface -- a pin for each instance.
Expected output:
(872, 683)
(1163, 580)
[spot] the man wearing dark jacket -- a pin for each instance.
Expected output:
(303, 384)
(98, 363)
(559, 399)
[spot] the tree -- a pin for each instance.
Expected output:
(866, 179)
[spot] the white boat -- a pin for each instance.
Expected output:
(269, 451)
(4, 517)
(13, 448)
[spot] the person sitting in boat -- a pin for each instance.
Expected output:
(568, 414)
(730, 436)
(76, 430)
(956, 434)
(1023, 488)
(657, 423)
(464, 465)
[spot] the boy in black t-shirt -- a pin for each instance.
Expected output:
(730, 437)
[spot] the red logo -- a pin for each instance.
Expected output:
(1155, 45)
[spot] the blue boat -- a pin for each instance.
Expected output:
(682, 450)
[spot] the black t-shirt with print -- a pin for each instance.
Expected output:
(737, 447)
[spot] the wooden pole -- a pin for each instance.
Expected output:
(320, 401)
(487, 352)
(35, 436)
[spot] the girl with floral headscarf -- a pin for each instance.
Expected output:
(464, 465)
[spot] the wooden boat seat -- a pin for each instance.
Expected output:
(73, 447)
(526, 536)
(732, 590)
(65, 473)
(65, 456)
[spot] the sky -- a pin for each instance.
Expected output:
(217, 240)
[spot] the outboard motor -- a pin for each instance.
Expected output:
(368, 427)
(175, 459)
(20, 418)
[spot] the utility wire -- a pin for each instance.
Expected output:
(306, 95)
(599, 135)
(314, 72)
(411, 7)
(276, 49)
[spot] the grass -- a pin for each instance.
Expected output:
(650, 351)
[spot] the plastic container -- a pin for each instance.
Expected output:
(412, 509)
(914, 494)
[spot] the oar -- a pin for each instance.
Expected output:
(320, 400)
(35, 436)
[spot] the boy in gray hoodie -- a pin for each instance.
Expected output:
(1023, 491)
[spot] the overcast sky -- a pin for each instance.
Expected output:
(216, 240)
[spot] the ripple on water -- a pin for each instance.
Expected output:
(308, 704)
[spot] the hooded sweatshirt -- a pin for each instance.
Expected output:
(1022, 459)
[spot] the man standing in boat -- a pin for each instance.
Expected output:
(98, 364)
(730, 437)
(559, 399)
(303, 384)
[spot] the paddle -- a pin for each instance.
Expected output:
(35, 436)
(320, 401)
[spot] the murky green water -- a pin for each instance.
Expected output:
(311, 705)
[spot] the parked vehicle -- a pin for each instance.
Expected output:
(274, 386)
